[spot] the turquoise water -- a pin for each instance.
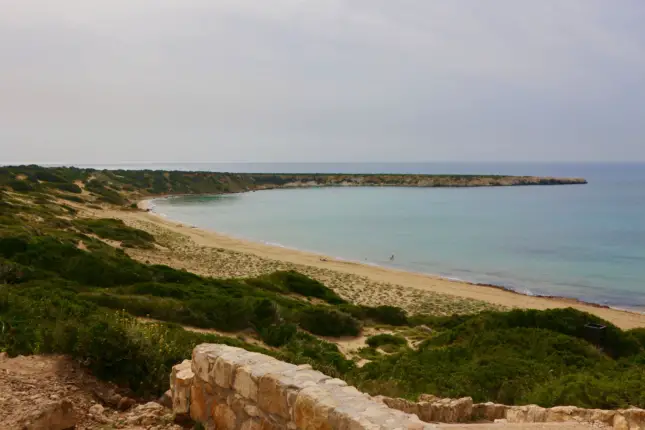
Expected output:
(580, 241)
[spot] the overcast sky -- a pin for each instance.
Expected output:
(321, 80)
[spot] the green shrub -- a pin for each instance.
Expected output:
(278, 334)
(639, 335)
(323, 356)
(385, 339)
(69, 187)
(48, 176)
(390, 315)
(74, 199)
(566, 321)
(115, 229)
(300, 284)
(21, 186)
(326, 321)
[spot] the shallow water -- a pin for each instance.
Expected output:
(581, 241)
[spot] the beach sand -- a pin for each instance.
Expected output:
(211, 254)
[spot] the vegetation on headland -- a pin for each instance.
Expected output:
(64, 288)
(108, 185)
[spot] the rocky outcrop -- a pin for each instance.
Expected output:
(433, 409)
(229, 388)
(58, 415)
(55, 393)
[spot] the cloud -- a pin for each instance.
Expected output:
(334, 80)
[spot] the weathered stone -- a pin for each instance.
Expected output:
(460, 410)
(252, 411)
(620, 422)
(166, 399)
(560, 414)
(96, 410)
(312, 407)
(428, 398)
(601, 416)
(181, 379)
(52, 416)
(236, 389)
(336, 381)
(244, 383)
(224, 417)
(402, 405)
(222, 373)
(489, 411)
(526, 414)
(304, 367)
(273, 395)
(198, 403)
(126, 403)
(635, 418)
(252, 424)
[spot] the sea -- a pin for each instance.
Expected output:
(579, 241)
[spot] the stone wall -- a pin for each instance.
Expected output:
(434, 409)
(229, 388)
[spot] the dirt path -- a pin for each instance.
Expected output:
(56, 392)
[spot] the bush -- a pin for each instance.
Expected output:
(329, 322)
(390, 315)
(385, 339)
(21, 186)
(115, 229)
(48, 176)
(565, 321)
(639, 335)
(278, 334)
(300, 284)
(69, 187)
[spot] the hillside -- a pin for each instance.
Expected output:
(68, 285)
(108, 183)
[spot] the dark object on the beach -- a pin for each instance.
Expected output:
(595, 333)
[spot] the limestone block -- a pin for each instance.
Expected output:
(460, 410)
(560, 414)
(277, 391)
(244, 383)
(601, 416)
(204, 357)
(252, 424)
(620, 422)
(337, 382)
(181, 379)
(402, 405)
(489, 411)
(535, 414)
(635, 418)
(199, 406)
(223, 417)
(312, 408)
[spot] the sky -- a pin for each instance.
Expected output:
(111, 81)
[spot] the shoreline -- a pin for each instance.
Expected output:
(493, 294)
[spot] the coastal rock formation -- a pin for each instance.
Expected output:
(230, 388)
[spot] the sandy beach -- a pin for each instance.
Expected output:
(211, 254)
